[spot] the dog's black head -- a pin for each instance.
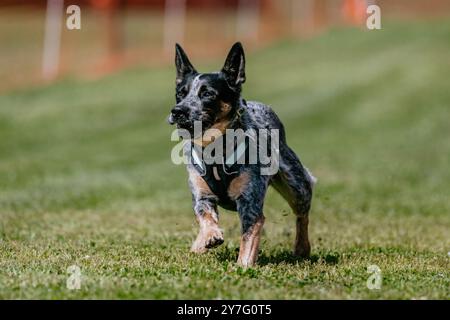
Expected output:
(211, 98)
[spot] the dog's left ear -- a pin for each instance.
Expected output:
(234, 67)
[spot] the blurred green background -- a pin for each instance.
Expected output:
(86, 177)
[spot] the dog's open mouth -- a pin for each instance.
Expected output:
(190, 125)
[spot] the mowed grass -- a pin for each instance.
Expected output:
(86, 178)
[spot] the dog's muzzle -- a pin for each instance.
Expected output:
(179, 114)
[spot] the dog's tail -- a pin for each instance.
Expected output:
(310, 177)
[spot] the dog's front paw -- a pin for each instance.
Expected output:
(302, 250)
(214, 238)
(207, 239)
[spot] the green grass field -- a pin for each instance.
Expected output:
(86, 178)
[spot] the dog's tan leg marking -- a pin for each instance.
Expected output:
(302, 248)
(210, 235)
(238, 185)
(199, 186)
(248, 252)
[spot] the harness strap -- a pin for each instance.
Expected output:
(239, 112)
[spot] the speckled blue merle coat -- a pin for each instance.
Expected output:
(215, 100)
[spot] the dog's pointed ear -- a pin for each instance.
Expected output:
(184, 66)
(234, 67)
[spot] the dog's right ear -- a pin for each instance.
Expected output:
(184, 66)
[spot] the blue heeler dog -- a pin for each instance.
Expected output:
(214, 100)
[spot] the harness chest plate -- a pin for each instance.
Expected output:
(218, 172)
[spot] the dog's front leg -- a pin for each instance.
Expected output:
(210, 235)
(205, 208)
(249, 194)
(248, 251)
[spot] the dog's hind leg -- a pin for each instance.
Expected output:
(205, 207)
(294, 183)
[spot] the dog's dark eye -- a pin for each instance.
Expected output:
(181, 94)
(207, 94)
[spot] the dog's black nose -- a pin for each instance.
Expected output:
(180, 111)
(177, 112)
